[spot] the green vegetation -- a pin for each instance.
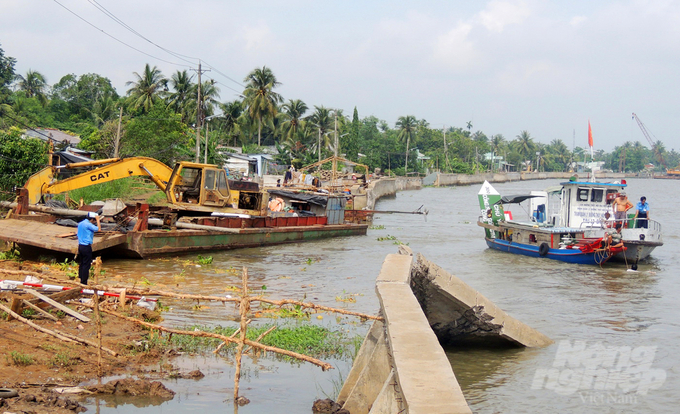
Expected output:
(204, 260)
(20, 359)
(160, 111)
(64, 359)
(312, 340)
(378, 227)
(28, 312)
(11, 254)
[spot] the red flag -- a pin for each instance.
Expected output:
(590, 135)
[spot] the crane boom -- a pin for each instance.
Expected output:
(653, 146)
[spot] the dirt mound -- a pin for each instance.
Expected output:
(133, 387)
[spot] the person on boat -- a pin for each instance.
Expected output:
(613, 239)
(621, 205)
(86, 230)
(642, 213)
(607, 222)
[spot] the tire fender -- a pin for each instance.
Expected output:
(543, 249)
(8, 393)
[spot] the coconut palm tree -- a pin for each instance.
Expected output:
(559, 153)
(260, 98)
(232, 112)
(525, 146)
(292, 117)
(322, 121)
(34, 85)
(407, 128)
(183, 89)
(147, 89)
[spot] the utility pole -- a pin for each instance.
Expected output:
(198, 114)
(446, 151)
(335, 152)
(120, 120)
(207, 126)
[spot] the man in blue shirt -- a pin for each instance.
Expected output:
(642, 213)
(86, 229)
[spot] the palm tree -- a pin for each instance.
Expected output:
(34, 85)
(559, 153)
(525, 146)
(407, 128)
(260, 98)
(291, 116)
(322, 121)
(209, 95)
(147, 89)
(180, 99)
(497, 144)
(231, 113)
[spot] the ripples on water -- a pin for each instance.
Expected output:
(608, 305)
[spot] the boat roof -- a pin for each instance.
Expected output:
(515, 199)
(590, 183)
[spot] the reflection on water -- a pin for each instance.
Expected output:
(607, 305)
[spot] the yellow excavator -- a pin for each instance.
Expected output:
(189, 187)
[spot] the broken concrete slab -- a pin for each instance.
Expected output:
(458, 313)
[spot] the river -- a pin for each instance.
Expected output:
(608, 319)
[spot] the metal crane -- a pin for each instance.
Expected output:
(658, 154)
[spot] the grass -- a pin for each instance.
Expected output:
(17, 358)
(11, 254)
(312, 340)
(63, 360)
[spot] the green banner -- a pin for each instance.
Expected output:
(491, 211)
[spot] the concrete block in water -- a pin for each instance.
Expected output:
(458, 313)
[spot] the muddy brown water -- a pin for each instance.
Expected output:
(622, 326)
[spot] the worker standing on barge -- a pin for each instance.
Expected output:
(86, 230)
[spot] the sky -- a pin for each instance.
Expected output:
(547, 67)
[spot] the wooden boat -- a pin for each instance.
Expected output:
(541, 235)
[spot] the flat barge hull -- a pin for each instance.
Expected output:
(160, 242)
(148, 243)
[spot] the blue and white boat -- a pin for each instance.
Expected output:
(565, 223)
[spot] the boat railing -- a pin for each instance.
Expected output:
(652, 225)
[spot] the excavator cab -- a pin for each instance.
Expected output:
(195, 186)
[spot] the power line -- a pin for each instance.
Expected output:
(177, 55)
(118, 40)
(128, 27)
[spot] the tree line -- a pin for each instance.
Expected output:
(158, 116)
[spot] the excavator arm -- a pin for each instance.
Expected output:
(43, 182)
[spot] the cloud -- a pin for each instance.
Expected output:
(455, 50)
(499, 14)
(577, 20)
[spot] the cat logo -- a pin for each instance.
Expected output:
(96, 177)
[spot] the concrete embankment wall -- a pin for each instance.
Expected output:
(389, 186)
(464, 179)
(401, 366)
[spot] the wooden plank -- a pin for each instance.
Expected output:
(52, 237)
(40, 311)
(58, 305)
(15, 306)
(60, 297)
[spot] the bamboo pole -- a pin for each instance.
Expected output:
(34, 326)
(150, 292)
(259, 338)
(66, 337)
(323, 365)
(236, 332)
(98, 318)
(245, 307)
